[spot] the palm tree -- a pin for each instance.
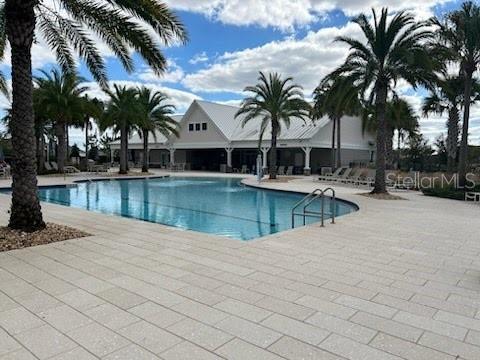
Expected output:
(336, 98)
(447, 96)
(156, 118)
(60, 95)
(123, 113)
(393, 50)
(401, 118)
(91, 109)
(459, 34)
(125, 26)
(274, 101)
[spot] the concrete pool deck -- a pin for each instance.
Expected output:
(395, 280)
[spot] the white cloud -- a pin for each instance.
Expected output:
(181, 99)
(307, 60)
(173, 74)
(199, 58)
(288, 14)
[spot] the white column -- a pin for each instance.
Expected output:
(306, 168)
(172, 156)
(265, 156)
(229, 157)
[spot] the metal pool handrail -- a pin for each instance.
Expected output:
(308, 200)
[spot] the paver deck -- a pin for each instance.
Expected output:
(396, 280)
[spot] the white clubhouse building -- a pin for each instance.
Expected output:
(211, 139)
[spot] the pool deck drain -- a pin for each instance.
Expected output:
(395, 280)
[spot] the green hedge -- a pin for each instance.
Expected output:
(449, 192)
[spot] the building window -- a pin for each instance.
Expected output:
(204, 126)
(190, 127)
(197, 127)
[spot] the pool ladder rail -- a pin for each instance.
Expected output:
(317, 194)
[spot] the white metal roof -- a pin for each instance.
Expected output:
(224, 118)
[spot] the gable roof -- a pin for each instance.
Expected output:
(224, 118)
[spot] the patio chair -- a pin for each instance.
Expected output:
(331, 176)
(289, 170)
(181, 167)
(354, 177)
(71, 169)
(47, 166)
(368, 179)
(4, 173)
(54, 165)
(244, 169)
(281, 170)
(344, 176)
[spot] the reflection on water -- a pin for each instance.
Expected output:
(218, 206)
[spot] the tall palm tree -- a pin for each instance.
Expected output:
(156, 118)
(447, 96)
(125, 26)
(274, 102)
(459, 33)
(336, 98)
(91, 109)
(123, 114)
(400, 117)
(394, 50)
(60, 95)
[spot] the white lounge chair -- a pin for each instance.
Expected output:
(344, 176)
(354, 177)
(289, 170)
(281, 170)
(54, 165)
(47, 166)
(331, 176)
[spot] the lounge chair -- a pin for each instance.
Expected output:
(368, 179)
(47, 166)
(281, 170)
(331, 176)
(244, 169)
(54, 165)
(289, 170)
(344, 175)
(4, 172)
(353, 177)
(71, 169)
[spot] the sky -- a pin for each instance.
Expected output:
(230, 41)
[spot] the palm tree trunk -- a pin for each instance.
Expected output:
(389, 147)
(273, 151)
(40, 153)
(380, 104)
(123, 150)
(61, 155)
(67, 139)
(87, 123)
(334, 128)
(399, 137)
(452, 138)
(25, 212)
(145, 152)
(339, 144)
(462, 166)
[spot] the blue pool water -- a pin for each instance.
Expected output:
(221, 206)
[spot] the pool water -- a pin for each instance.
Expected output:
(221, 206)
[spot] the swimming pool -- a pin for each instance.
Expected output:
(221, 206)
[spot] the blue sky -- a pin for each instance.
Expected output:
(231, 40)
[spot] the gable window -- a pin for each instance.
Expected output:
(197, 127)
(190, 127)
(204, 126)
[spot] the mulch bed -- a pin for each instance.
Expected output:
(382, 196)
(14, 239)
